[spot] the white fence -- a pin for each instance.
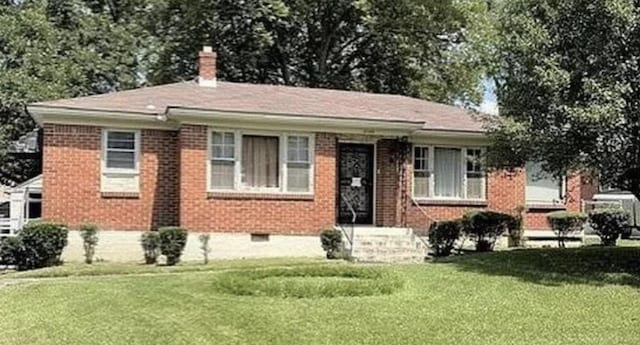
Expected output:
(5, 227)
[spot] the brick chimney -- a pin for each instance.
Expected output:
(207, 67)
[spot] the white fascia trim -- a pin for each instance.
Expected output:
(293, 121)
(449, 134)
(75, 116)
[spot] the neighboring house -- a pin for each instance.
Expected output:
(22, 203)
(273, 161)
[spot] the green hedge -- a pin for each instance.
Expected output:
(331, 241)
(609, 224)
(37, 245)
(484, 227)
(172, 242)
(443, 236)
(565, 223)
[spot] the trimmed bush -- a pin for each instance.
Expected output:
(608, 224)
(89, 235)
(331, 240)
(150, 242)
(443, 236)
(484, 227)
(565, 223)
(172, 242)
(37, 245)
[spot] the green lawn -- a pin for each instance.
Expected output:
(548, 296)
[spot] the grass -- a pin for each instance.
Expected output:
(75, 269)
(309, 282)
(549, 296)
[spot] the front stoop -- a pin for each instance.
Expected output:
(387, 245)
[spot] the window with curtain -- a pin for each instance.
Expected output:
(223, 160)
(475, 174)
(298, 164)
(260, 161)
(443, 172)
(447, 172)
(421, 172)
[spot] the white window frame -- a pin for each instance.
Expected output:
(235, 159)
(432, 175)
(123, 171)
(282, 161)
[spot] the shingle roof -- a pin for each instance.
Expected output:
(273, 99)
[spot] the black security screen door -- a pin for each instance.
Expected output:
(355, 183)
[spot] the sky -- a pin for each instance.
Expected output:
(490, 104)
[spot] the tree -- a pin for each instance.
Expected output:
(56, 49)
(435, 50)
(569, 88)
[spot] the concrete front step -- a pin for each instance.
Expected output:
(391, 259)
(386, 245)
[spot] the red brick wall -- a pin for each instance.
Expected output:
(71, 181)
(254, 213)
(173, 189)
(505, 193)
(387, 182)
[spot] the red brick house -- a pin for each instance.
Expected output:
(240, 158)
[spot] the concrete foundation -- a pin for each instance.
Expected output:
(124, 246)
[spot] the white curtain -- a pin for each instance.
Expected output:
(260, 161)
(448, 172)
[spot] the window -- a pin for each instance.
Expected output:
(33, 206)
(120, 160)
(421, 172)
(448, 173)
(223, 160)
(261, 162)
(475, 174)
(542, 188)
(121, 150)
(298, 164)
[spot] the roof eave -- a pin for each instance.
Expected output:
(293, 121)
(77, 116)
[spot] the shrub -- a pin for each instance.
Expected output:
(484, 227)
(172, 242)
(150, 242)
(516, 230)
(10, 249)
(37, 245)
(443, 236)
(89, 234)
(331, 240)
(608, 224)
(564, 223)
(204, 246)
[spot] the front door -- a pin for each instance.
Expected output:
(355, 183)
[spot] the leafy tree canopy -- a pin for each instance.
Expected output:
(437, 50)
(56, 49)
(569, 88)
